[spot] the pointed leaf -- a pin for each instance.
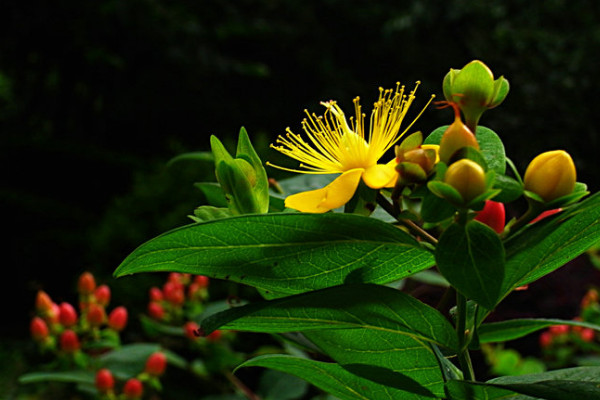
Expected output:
(285, 253)
(517, 328)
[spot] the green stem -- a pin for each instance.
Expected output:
(414, 228)
(533, 211)
(464, 357)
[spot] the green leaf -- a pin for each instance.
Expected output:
(370, 307)
(208, 213)
(435, 209)
(490, 145)
(78, 376)
(129, 360)
(510, 188)
(285, 253)
(276, 385)
(551, 243)
(204, 156)
(213, 193)
(517, 328)
(246, 151)
(471, 258)
(563, 384)
(463, 390)
(330, 377)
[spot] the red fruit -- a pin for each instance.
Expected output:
(156, 364)
(214, 336)
(86, 284)
(191, 330)
(587, 335)
(96, 315)
(53, 315)
(546, 339)
(133, 389)
(67, 314)
(174, 293)
(38, 329)
(558, 330)
(43, 303)
(69, 342)
(493, 215)
(102, 295)
(117, 319)
(202, 281)
(156, 311)
(105, 381)
(155, 294)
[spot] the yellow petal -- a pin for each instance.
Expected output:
(334, 195)
(380, 175)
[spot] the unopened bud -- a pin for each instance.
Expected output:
(102, 295)
(38, 329)
(117, 319)
(69, 342)
(155, 294)
(455, 137)
(546, 339)
(587, 335)
(467, 177)
(133, 389)
(86, 283)
(43, 303)
(174, 293)
(156, 311)
(551, 175)
(214, 336)
(96, 315)
(67, 314)
(202, 280)
(105, 382)
(493, 215)
(191, 330)
(156, 364)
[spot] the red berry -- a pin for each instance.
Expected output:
(493, 215)
(546, 339)
(86, 284)
(214, 336)
(53, 315)
(96, 315)
(133, 389)
(202, 280)
(102, 295)
(69, 342)
(558, 330)
(105, 381)
(117, 319)
(174, 293)
(191, 330)
(156, 311)
(67, 314)
(155, 294)
(38, 329)
(156, 364)
(43, 303)
(587, 335)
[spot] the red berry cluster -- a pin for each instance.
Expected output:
(60, 327)
(180, 290)
(133, 388)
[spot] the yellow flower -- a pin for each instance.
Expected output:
(336, 146)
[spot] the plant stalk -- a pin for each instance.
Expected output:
(464, 357)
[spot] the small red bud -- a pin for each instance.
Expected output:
(67, 314)
(96, 315)
(102, 295)
(105, 381)
(174, 293)
(117, 319)
(493, 215)
(133, 389)
(156, 364)
(38, 329)
(43, 302)
(53, 315)
(202, 280)
(545, 214)
(214, 336)
(155, 294)
(590, 298)
(191, 330)
(558, 330)
(155, 310)
(587, 335)
(546, 339)
(86, 284)
(69, 342)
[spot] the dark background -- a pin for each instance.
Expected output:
(96, 97)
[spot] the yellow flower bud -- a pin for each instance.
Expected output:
(456, 136)
(551, 175)
(467, 177)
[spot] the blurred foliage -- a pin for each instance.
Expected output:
(96, 97)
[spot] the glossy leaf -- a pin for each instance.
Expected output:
(78, 376)
(549, 244)
(517, 328)
(330, 377)
(471, 258)
(463, 390)
(285, 253)
(370, 307)
(213, 193)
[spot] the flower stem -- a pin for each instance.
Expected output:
(464, 357)
(414, 228)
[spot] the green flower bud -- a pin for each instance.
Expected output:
(243, 179)
(551, 175)
(467, 177)
(474, 89)
(414, 162)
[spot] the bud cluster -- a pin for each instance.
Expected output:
(180, 295)
(65, 330)
(132, 388)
